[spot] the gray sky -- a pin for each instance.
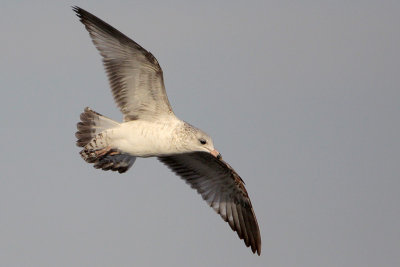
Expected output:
(303, 100)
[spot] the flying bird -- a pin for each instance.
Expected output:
(151, 129)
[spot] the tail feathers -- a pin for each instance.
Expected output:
(91, 124)
(108, 159)
(93, 136)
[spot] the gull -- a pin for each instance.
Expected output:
(151, 129)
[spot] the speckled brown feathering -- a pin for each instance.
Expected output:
(92, 138)
(108, 159)
(91, 124)
(222, 188)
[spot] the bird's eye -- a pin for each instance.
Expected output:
(202, 141)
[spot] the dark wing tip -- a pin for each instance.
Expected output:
(250, 233)
(79, 11)
(89, 19)
(259, 249)
(84, 16)
(241, 215)
(256, 247)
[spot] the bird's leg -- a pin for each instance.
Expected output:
(103, 151)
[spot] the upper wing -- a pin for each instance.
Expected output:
(222, 188)
(134, 74)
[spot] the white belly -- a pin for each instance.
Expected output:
(143, 138)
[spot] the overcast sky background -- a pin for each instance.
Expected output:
(302, 99)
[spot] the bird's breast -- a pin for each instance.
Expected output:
(145, 139)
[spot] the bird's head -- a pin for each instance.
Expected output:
(197, 140)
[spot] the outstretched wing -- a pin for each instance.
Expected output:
(222, 188)
(134, 74)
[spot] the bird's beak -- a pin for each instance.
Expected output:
(216, 154)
